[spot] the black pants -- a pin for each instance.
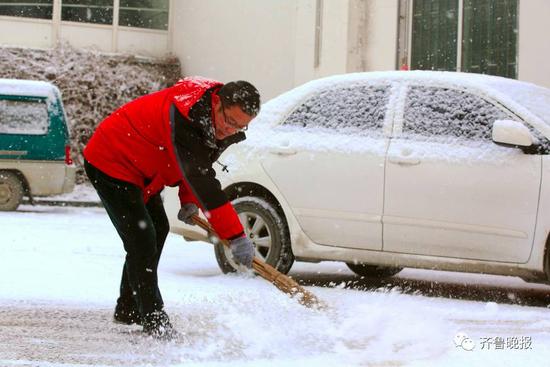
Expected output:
(143, 229)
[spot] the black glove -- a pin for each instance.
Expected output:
(243, 251)
(186, 212)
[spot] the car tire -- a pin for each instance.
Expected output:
(267, 230)
(11, 191)
(373, 271)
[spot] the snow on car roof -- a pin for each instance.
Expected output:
(530, 97)
(30, 88)
(529, 101)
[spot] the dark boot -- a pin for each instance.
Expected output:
(126, 315)
(157, 324)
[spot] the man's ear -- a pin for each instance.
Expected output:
(216, 101)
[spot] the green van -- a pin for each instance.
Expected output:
(34, 143)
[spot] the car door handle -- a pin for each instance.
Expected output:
(404, 161)
(283, 151)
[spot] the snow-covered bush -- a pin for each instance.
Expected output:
(93, 84)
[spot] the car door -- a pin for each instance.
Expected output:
(329, 164)
(450, 190)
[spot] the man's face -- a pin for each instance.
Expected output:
(229, 121)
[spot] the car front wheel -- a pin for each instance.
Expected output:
(11, 191)
(267, 231)
(374, 271)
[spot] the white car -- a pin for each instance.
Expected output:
(387, 170)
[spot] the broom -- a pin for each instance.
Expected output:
(266, 271)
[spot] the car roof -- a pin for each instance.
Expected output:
(529, 101)
(27, 88)
(478, 81)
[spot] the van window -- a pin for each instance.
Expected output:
(29, 117)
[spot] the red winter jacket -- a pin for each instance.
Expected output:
(134, 144)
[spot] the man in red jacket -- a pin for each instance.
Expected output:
(167, 138)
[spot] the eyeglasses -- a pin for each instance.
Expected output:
(232, 124)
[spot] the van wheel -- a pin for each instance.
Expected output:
(374, 271)
(11, 191)
(269, 233)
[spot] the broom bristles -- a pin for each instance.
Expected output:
(268, 272)
(286, 284)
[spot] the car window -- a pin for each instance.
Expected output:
(23, 117)
(353, 109)
(439, 112)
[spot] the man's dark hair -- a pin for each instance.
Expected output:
(242, 94)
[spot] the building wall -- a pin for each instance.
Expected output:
(248, 40)
(25, 32)
(304, 42)
(534, 43)
(372, 35)
(334, 38)
(272, 43)
(380, 45)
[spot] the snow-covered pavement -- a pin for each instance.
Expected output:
(59, 275)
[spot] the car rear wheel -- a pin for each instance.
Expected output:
(266, 229)
(374, 271)
(11, 191)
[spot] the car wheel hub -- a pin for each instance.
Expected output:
(259, 233)
(5, 193)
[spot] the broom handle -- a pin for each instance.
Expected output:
(207, 227)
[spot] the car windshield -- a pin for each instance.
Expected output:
(534, 98)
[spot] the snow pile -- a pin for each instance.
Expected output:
(92, 84)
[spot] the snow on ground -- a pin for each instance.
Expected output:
(59, 281)
(82, 193)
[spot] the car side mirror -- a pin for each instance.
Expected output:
(512, 133)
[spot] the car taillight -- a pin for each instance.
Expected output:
(68, 159)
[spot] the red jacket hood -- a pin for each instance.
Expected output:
(193, 89)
